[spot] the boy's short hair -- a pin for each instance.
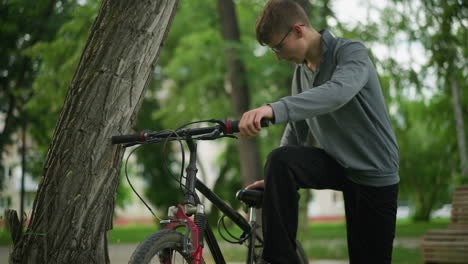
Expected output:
(277, 17)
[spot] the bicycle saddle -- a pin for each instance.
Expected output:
(253, 198)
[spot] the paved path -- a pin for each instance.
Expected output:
(120, 253)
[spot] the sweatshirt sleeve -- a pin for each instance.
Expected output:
(350, 75)
(289, 136)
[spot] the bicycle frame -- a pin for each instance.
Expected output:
(181, 215)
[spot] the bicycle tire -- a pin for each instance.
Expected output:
(160, 247)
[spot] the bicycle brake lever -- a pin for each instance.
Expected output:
(212, 135)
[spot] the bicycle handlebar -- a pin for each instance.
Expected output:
(227, 127)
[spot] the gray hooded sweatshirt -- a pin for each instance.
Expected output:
(343, 106)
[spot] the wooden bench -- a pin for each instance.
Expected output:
(450, 245)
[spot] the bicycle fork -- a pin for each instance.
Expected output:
(194, 229)
(179, 216)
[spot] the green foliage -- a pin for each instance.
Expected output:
(427, 154)
(195, 66)
(22, 25)
(124, 192)
(59, 58)
(419, 96)
(39, 60)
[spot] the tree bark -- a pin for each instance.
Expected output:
(73, 208)
(459, 125)
(248, 148)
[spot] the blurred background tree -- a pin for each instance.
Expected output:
(23, 24)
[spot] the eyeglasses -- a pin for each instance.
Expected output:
(278, 47)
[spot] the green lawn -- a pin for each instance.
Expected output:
(323, 241)
(318, 231)
(405, 228)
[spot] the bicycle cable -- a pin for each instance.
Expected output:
(131, 186)
(181, 177)
(238, 240)
(182, 186)
(172, 175)
(183, 151)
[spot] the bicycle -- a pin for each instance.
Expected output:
(171, 245)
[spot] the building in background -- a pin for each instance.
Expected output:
(10, 195)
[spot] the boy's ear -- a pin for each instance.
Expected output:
(299, 30)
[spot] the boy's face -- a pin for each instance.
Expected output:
(289, 46)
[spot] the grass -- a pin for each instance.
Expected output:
(130, 233)
(319, 231)
(324, 240)
(404, 228)
(5, 238)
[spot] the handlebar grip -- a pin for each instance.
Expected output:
(126, 138)
(233, 126)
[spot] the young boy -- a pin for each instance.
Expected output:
(336, 95)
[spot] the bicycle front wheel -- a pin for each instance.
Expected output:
(163, 247)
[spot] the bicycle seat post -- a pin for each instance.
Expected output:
(252, 215)
(253, 225)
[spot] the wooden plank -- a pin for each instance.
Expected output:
(458, 211)
(448, 235)
(445, 248)
(451, 244)
(459, 204)
(445, 237)
(448, 231)
(445, 253)
(459, 214)
(460, 226)
(442, 238)
(435, 259)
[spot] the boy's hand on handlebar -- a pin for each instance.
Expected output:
(249, 124)
(256, 185)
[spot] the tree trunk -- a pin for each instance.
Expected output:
(459, 125)
(248, 149)
(73, 208)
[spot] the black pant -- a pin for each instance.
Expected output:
(370, 211)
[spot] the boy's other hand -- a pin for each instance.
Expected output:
(249, 124)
